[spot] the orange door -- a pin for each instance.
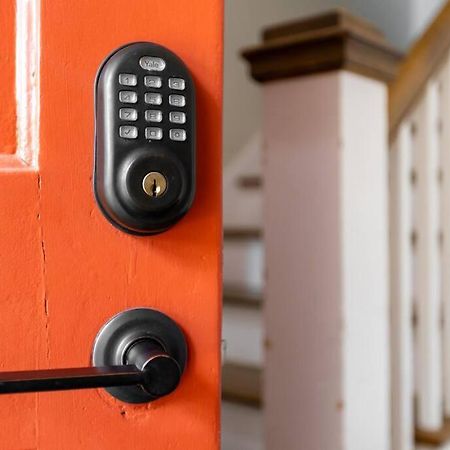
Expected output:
(65, 269)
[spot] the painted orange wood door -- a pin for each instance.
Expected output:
(64, 269)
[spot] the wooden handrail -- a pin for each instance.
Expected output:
(417, 67)
(434, 438)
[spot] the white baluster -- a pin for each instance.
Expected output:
(401, 291)
(445, 220)
(429, 344)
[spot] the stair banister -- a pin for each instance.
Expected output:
(326, 232)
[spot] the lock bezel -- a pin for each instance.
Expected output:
(107, 165)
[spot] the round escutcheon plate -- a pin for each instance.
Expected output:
(123, 330)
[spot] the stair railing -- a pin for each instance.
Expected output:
(357, 234)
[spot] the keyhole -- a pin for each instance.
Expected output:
(154, 184)
(156, 189)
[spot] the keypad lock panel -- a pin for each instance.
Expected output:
(144, 171)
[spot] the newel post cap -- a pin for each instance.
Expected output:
(334, 40)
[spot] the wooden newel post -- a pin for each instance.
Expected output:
(326, 232)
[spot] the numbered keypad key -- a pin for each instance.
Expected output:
(177, 100)
(153, 99)
(127, 79)
(127, 97)
(153, 115)
(128, 132)
(177, 117)
(128, 114)
(153, 133)
(177, 83)
(152, 81)
(177, 134)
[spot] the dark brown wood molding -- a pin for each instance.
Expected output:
(331, 41)
(242, 234)
(250, 182)
(242, 298)
(434, 438)
(242, 384)
(421, 62)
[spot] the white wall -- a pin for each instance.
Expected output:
(244, 20)
(401, 20)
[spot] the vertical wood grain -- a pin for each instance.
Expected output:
(22, 51)
(7, 74)
(68, 270)
(401, 290)
(22, 318)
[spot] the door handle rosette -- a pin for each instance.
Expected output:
(138, 356)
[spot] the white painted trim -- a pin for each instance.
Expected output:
(326, 303)
(362, 154)
(402, 351)
(27, 88)
(445, 225)
(428, 294)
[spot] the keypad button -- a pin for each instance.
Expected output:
(152, 63)
(153, 133)
(128, 97)
(153, 115)
(127, 79)
(177, 134)
(177, 100)
(177, 83)
(153, 99)
(128, 114)
(177, 117)
(152, 81)
(128, 132)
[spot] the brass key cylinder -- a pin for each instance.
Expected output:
(154, 184)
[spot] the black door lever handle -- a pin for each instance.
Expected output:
(65, 379)
(149, 367)
(139, 356)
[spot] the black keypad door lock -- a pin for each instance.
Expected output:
(138, 356)
(145, 143)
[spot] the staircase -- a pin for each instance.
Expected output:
(412, 404)
(242, 310)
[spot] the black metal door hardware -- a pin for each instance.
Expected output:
(139, 356)
(144, 174)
